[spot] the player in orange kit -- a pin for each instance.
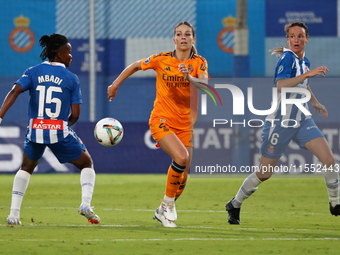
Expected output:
(171, 121)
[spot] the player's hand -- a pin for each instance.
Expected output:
(184, 70)
(112, 91)
(321, 70)
(321, 109)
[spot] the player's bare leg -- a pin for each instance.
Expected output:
(320, 148)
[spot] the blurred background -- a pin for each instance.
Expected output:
(124, 31)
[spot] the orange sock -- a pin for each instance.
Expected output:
(174, 178)
(180, 190)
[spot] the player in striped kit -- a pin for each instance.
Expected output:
(54, 106)
(292, 70)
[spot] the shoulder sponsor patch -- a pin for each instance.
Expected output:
(147, 60)
(280, 69)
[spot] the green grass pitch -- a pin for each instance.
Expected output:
(285, 216)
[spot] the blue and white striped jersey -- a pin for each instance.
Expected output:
(53, 89)
(289, 66)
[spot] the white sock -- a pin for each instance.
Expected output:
(87, 181)
(168, 199)
(20, 185)
(160, 209)
(248, 187)
(331, 176)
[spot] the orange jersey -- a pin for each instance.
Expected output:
(172, 103)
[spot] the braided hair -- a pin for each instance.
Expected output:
(50, 45)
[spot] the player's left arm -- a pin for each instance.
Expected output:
(10, 99)
(75, 113)
(200, 81)
(197, 82)
(318, 107)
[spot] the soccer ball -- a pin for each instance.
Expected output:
(108, 132)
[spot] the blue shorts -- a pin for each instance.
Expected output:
(66, 150)
(275, 139)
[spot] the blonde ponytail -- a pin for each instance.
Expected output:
(277, 51)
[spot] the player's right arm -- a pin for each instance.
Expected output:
(75, 113)
(10, 99)
(292, 82)
(127, 72)
(284, 70)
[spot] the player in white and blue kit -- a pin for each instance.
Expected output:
(54, 106)
(292, 125)
(292, 70)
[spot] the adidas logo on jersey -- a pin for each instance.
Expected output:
(167, 69)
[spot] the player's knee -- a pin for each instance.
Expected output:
(88, 163)
(182, 158)
(85, 161)
(329, 161)
(27, 169)
(262, 179)
(263, 176)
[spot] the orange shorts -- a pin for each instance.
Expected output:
(159, 129)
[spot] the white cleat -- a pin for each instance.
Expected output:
(166, 223)
(87, 212)
(169, 209)
(12, 220)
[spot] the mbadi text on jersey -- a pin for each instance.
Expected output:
(49, 78)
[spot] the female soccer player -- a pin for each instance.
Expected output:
(54, 106)
(170, 122)
(292, 70)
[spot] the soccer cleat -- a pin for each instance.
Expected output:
(166, 223)
(12, 220)
(87, 212)
(169, 209)
(233, 213)
(334, 210)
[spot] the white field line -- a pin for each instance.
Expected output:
(152, 210)
(178, 239)
(152, 226)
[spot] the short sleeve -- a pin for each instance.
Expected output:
(203, 67)
(284, 67)
(25, 81)
(149, 63)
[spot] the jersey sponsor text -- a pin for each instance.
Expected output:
(47, 124)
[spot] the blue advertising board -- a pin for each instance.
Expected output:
(137, 153)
